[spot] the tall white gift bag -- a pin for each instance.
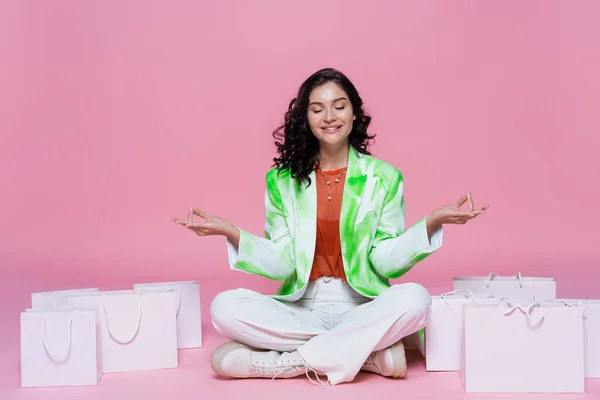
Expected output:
(444, 329)
(137, 330)
(520, 288)
(56, 298)
(189, 323)
(591, 333)
(533, 349)
(60, 347)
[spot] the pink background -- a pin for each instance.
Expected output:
(116, 116)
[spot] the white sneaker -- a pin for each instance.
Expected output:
(390, 362)
(236, 360)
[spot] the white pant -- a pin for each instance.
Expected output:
(334, 328)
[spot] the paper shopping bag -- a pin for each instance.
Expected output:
(443, 332)
(56, 298)
(591, 333)
(534, 349)
(187, 293)
(520, 288)
(60, 347)
(137, 330)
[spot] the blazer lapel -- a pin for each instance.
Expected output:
(306, 227)
(353, 194)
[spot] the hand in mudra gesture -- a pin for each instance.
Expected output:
(210, 225)
(451, 213)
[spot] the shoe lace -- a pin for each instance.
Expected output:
(269, 369)
(273, 369)
(319, 381)
(369, 364)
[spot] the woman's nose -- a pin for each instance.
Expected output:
(329, 116)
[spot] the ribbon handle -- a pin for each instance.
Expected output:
(137, 329)
(471, 296)
(493, 275)
(45, 340)
(526, 311)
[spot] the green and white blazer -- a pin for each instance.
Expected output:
(376, 246)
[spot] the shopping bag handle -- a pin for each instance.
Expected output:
(471, 295)
(493, 275)
(45, 340)
(178, 304)
(526, 311)
(137, 329)
(579, 303)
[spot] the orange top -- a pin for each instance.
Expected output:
(328, 253)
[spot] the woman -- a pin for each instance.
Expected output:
(334, 235)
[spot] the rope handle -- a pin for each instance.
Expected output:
(471, 295)
(526, 311)
(45, 340)
(137, 329)
(579, 304)
(493, 275)
(178, 304)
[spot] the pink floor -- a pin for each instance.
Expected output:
(195, 380)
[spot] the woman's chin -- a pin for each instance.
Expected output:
(333, 140)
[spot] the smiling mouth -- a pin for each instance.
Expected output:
(332, 129)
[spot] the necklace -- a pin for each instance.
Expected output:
(337, 180)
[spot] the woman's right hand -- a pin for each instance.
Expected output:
(211, 225)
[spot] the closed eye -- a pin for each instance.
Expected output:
(337, 108)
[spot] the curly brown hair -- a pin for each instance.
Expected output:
(297, 146)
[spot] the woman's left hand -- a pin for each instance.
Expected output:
(451, 213)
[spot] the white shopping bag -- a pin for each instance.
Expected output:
(443, 332)
(591, 333)
(56, 298)
(60, 347)
(520, 288)
(189, 324)
(137, 330)
(533, 349)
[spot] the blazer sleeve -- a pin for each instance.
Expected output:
(272, 256)
(395, 249)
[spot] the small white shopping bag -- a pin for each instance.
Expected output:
(189, 323)
(533, 349)
(443, 332)
(56, 298)
(520, 288)
(137, 330)
(591, 333)
(60, 347)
